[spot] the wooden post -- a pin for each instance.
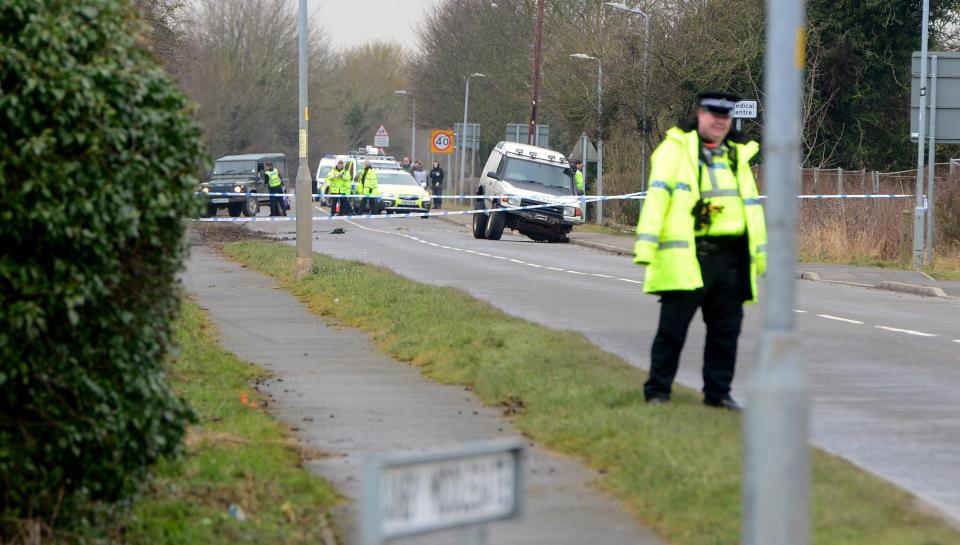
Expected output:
(840, 181)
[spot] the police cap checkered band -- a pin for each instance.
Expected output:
(717, 101)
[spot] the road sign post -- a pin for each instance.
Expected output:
(381, 138)
(441, 141)
(414, 494)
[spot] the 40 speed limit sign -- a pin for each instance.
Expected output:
(441, 141)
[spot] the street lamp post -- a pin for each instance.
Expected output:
(599, 134)
(463, 129)
(646, 81)
(304, 200)
(413, 125)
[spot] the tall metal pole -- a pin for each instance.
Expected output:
(463, 134)
(304, 201)
(921, 130)
(776, 471)
(463, 130)
(599, 142)
(537, 60)
(413, 130)
(932, 161)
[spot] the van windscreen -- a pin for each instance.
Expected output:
(522, 170)
(234, 167)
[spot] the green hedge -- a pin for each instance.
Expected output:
(98, 155)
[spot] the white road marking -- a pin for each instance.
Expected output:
(907, 331)
(798, 311)
(839, 319)
(518, 261)
(956, 340)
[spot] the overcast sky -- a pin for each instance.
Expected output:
(386, 20)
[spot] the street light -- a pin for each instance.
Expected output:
(301, 188)
(646, 82)
(413, 126)
(463, 130)
(584, 56)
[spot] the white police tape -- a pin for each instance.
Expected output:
(589, 198)
(428, 214)
(391, 215)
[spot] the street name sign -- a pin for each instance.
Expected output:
(745, 109)
(381, 138)
(441, 141)
(412, 494)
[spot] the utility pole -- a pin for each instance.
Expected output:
(918, 209)
(537, 60)
(304, 200)
(776, 463)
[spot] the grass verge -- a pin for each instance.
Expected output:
(236, 455)
(676, 467)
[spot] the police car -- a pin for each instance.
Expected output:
(400, 192)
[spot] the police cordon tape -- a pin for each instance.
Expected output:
(391, 215)
(433, 214)
(588, 198)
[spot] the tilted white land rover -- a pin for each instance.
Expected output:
(520, 175)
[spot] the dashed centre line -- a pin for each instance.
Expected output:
(474, 252)
(839, 319)
(628, 280)
(907, 331)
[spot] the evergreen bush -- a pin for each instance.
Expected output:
(98, 155)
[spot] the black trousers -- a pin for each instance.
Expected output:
(276, 201)
(367, 205)
(345, 208)
(721, 302)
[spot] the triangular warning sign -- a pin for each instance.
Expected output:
(381, 131)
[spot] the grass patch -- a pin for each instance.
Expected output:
(236, 454)
(604, 230)
(676, 467)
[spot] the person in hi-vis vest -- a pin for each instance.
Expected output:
(702, 236)
(275, 185)
(338, 190)
(368, 190)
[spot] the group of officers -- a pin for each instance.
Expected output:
(341, 187)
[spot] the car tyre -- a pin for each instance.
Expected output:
(480, 220)
(495, 225)
(251, 207)
(235, 209)
(209, 210)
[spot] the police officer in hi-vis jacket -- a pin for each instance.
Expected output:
(702, 236)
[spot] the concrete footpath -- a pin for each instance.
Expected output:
(345, 399)
(912, 282)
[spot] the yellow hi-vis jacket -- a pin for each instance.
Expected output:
(665, 231)
(579, 179)
(338, 181)
(367, 182)
(273, 178)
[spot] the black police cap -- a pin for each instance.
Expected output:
(718, 101)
